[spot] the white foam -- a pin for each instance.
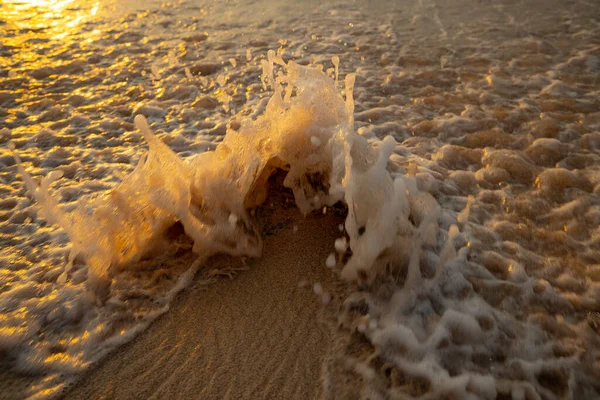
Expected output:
(330, 262)
(341, 245)
(318, 289)
(307, 130)
(479, 286)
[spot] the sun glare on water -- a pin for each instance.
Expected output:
(32, 25)
(56, 18)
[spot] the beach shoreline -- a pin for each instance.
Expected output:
(262, 333)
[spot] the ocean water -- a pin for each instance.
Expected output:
(463, 136)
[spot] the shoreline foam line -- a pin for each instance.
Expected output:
(307, 130)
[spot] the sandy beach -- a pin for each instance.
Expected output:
(458, 139)
(261, 334)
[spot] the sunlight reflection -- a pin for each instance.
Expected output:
(56, 18)
(33, 25)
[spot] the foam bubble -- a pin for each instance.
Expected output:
(341, 245)
(318, 289)
(330, 262)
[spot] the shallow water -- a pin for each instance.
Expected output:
(494, 100)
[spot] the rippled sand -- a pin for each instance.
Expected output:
(262, 334)
(495, 105)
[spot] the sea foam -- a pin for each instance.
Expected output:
(306, 130)
(446, 323)
(203, 193)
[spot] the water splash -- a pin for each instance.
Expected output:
(307, 130)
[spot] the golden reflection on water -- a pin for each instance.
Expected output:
(52, 19)
(34, 31)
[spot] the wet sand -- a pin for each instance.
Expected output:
(257, 335)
